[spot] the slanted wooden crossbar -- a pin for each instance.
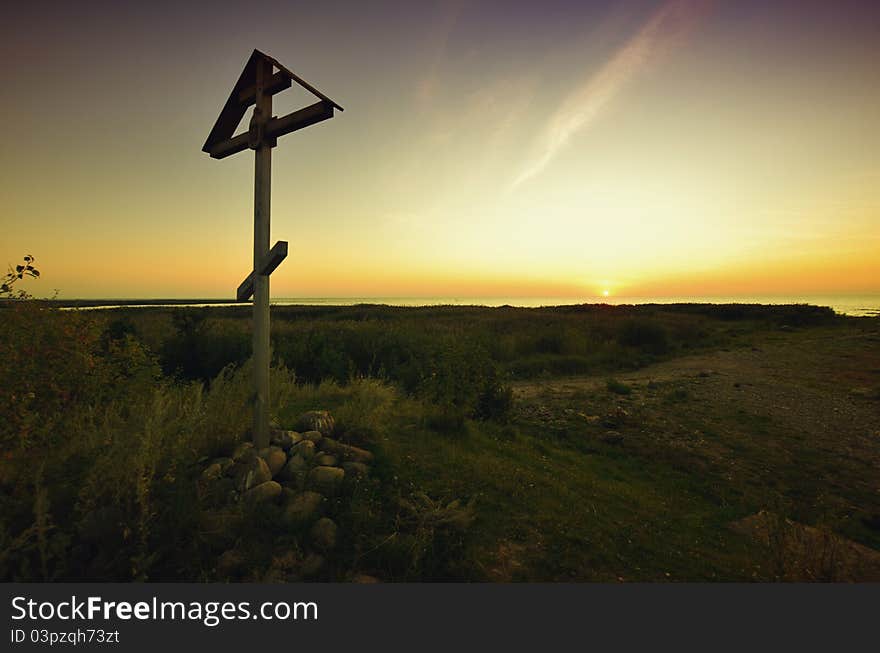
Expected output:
(277, 254)
(262, 78)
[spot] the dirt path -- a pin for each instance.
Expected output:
(790, 422)
(846, 363)
(822, 386)
(719, 362)
(808, 398)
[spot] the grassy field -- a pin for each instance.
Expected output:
(588, 443)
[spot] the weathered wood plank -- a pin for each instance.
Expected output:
(262, 211)
(299, 80)
(299, 119)
(276, 127)
(277, 83)
(229, 147)
(277, 254)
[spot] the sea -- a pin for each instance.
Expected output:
(853, 305)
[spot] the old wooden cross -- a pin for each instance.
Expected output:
(262, 78)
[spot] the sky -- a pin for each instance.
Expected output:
(487, 148)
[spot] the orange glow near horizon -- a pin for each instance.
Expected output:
(676, 148)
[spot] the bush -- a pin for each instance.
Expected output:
(643, 334)
(615, 386)
(101, 453)
(202, 347)
(442, 367)
(495, 400)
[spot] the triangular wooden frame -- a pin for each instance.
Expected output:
(221, 142)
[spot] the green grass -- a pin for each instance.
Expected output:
(469, 482)
(549, 511)
(615, 386)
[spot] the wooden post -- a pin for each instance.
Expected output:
(262, 197)
(256, 85)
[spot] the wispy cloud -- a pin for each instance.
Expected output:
(436, 43)
(664, 29)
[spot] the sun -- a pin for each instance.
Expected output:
(605, 293)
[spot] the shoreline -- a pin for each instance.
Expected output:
(849, 309)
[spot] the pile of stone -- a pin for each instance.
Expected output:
(299, 471)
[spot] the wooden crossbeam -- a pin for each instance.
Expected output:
(229, 147)
(277, 254)
(274, 128)
(299, 119)
(277, 83)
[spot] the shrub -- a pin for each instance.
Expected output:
(101, 452)
(443, 367)
(495, 400)
(202, 347)
(364, 414)
(615, 386)
(643, 334)
(21, 271)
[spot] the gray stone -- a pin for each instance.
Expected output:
(316, 420)
(346, 451)
(327, 459)
(275, 459)
(299, 480)
(284, 439)
(295, 463)
(225, 464)
(313, 436)
(263, 493)
(259, 473)
(250, 474)
(304, 508)
(323, 534)
(305, 448)
(242, 450)
(326, 480)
